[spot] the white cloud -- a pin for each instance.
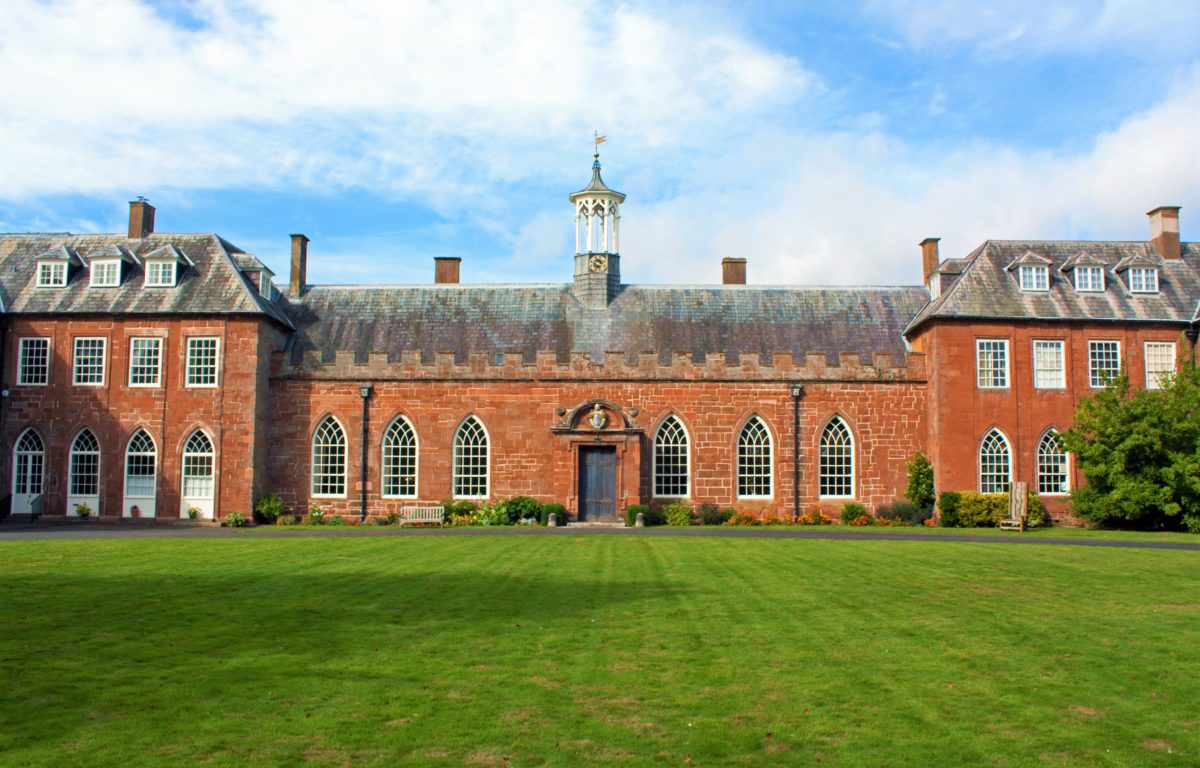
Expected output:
(409, 96)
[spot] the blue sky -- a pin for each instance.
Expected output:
(821, 141)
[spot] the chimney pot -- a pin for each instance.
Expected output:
(1164, 231)
(445, 269)
(929, 258)
(299, 265)
(141, 218)
(733, 271)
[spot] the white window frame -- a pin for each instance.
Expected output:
(161, 273)
(687, 460)
(979, 370)
(52, 274)
(979, 459)
(194, 459)
(312, 460)
(22, 378)
(454, 465)
(133, 359)
(1033, 277)
(1143, 280)
(823, 453)
(190, 365)
(383, 459)
(75, 372)
(1066, 466)
(1152, 376)
(770, 461)
(1093, 345)
(1061, 381)
(105, 274)
(80, 464)
(1091, 286)
(154, 457)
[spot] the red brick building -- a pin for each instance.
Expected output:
(158, 375)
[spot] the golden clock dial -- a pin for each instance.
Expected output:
(598, 262)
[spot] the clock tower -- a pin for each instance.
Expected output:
(597, 255)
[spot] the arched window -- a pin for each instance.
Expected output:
(471, 460)
(836, 463)
(198, 467)
(1052, 465)
(84, 469)
(754, 460)
(995, 464)
(141, 465)
(400, 459)
(329, 459)
(671, 459)
(29, 464)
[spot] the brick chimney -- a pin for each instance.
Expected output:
(929, 258)
(733, 271)
(1164, 231)
(445, 269)
(299, 265)
(141, 218)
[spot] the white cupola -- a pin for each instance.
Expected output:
(597, 241)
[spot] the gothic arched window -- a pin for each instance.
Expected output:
(836, 461)
(329, 459)
(1052, 465)
(400, 459)
(671, 459)
(754, 460)
(471, 460)
(995, 463)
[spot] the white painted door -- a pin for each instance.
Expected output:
(29, 461)
(198, 482)
(83, 473)
(141, 476)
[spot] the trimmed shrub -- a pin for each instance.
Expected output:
(710, 514)
(558, 510)
(948, 509)
(269, 508)
(631, 513)
(851, 511)
(1037, 512)
(727, 515)
(920, 483)
(316, 515)
(235, 520)
(678, 514)
(907, 512)
(337, 520)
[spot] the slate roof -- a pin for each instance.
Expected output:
(985, 290)
(528, 319)
(210, 285)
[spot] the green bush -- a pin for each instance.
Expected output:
(337, 520)
(269, 508)
(83, 510)
(948, 509)
(678, 514)
(632, 511)
(1037, 512)
(982, 510)
(235, 520)
(558, 510)
(920, 484)
(316, 515)
(520, 508)
(851, 511)
(728, 514)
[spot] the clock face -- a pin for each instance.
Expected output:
(598, 262)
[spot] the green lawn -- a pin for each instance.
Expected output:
(596, 650)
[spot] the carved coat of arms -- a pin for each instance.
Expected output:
(598, 418)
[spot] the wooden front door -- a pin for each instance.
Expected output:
(597, 484)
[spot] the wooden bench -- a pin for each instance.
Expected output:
(423, 515)
(1018, 509)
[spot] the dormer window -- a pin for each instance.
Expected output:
(52, 274)
(106, 274)
(1143, 279)
(1034, 278)
(1089, 278)
(160, 274)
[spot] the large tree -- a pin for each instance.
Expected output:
(1140, 452)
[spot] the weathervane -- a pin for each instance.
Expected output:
(599, 139)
